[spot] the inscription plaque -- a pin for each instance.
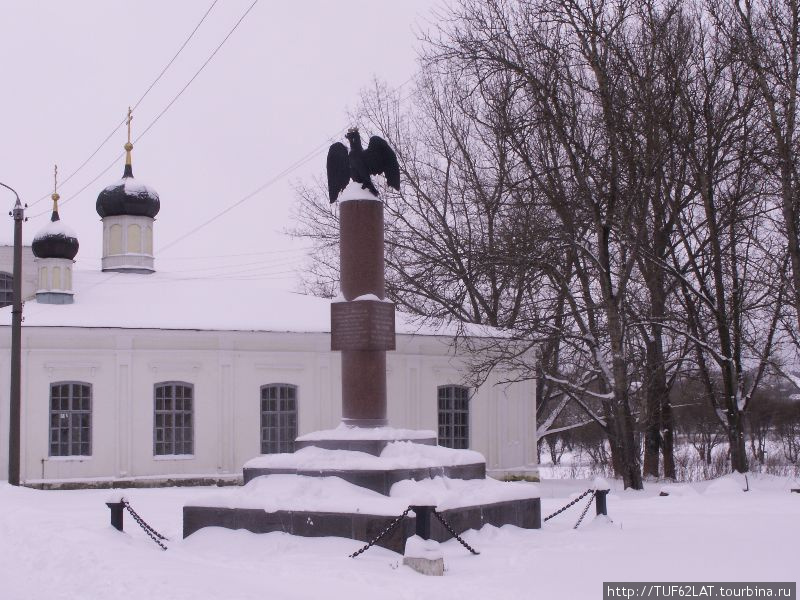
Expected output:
(362, 325)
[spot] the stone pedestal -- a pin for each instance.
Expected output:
(424, 555)
(425, 566)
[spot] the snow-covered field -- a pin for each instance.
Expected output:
(59, 544)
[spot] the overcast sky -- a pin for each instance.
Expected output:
(278, 88)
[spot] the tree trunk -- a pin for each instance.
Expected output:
(652, 448)
(668, 440)
(659, 422)
(739, 461)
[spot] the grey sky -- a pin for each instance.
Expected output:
(275, 91)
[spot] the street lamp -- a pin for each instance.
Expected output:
(18, 214)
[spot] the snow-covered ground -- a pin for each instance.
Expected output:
(59, 544)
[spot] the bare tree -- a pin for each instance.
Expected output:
(729, 262)
(764, 38)
(594, 178)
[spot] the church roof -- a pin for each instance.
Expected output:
(173, 301)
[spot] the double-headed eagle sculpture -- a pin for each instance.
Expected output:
(359, 164)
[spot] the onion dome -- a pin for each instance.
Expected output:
(128, 196)
(55, 240)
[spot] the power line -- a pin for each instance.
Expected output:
(165, 279)
(200, 70)
(154, 121)
(294, 166)
(243, 275)
(172, 60)
(138, 102)
(207, 256)
(258, 264)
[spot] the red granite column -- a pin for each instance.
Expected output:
(361, 248)
(361, 329)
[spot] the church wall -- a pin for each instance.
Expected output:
(227, 370)
(29, 273)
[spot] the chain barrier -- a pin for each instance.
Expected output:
(585, 510)
(454, 534)
(152, 533)
(387, 530)
(569, 504)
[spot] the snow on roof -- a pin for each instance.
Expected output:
(55, 228)
(132, 186)
(180, 301)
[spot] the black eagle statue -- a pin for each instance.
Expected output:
(359, 164)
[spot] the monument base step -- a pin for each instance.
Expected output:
(371, 440)
(374, 447)
(377, 480)
(525, 513)
(399, 460)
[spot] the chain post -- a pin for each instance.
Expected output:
(423, 521)
(116, 513)
(600, 502)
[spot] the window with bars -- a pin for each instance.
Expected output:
(454, 416)
(173, 430)
(70, 419)
(278, 417)
(6, 289)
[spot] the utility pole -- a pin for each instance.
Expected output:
(18, 213)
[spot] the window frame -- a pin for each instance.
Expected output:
(169, 419)
(280, 436)
(6, 288)
(453, 422)
(72, 414)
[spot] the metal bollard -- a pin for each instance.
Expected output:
(116, 514)
(600, 502)
(423, 520)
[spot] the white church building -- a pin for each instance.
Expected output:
(130, 376)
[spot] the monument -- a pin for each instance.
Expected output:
(354, 480)
(362, 326)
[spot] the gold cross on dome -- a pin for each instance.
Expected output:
(130, 118)
(55, 195)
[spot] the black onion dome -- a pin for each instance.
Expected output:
(128, 197)
(55, 240)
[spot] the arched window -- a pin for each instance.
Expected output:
(70, 418)
(454, 416)
(115, 239)
(278, 417)
(6, 289)
(173, 429)
(134, 238)
(147, 239)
